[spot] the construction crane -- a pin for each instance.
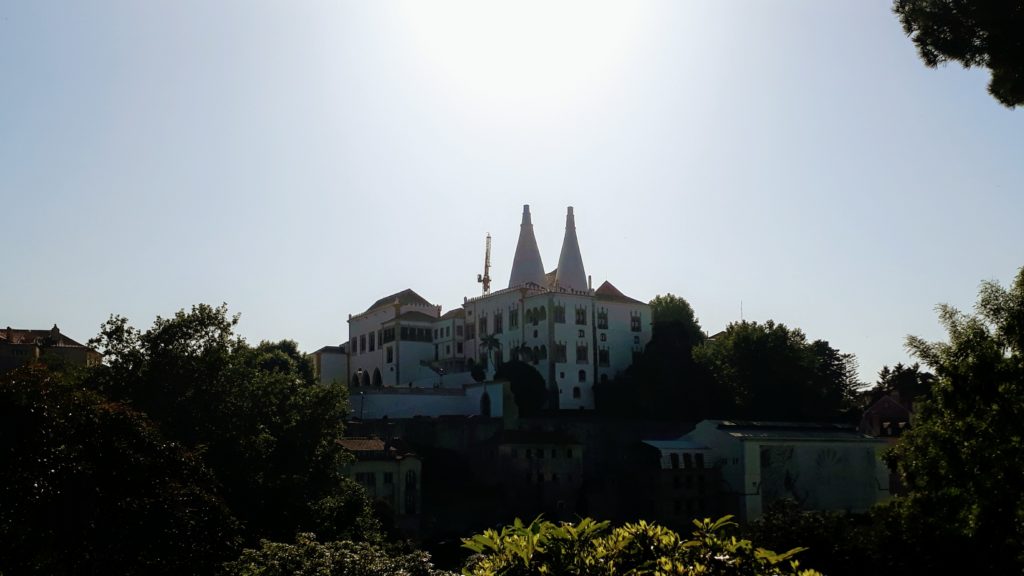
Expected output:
(485, 278)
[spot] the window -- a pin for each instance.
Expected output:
(634, 321)
(458, 330)
(362, 343)
(603, 357)
(390, 353)
(602, 319)
(470, 331)
(458, 347)
(499, 322)
(636, 340)
(513, 318)
(559, 314)
(373, 341)
(581, 353)
(367, 479)
(379, 342)
(581, 316)
(576, 392)
(582, 376)
(448, 349)
(560, 354)
(582, 334)
(435, 333)
(389, 478)
(687, 461)
(674, 458)
(389, 335)
(604, 337)
(483, 326)
(448, 331)
(355, 345)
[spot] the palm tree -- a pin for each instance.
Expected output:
(490, 344)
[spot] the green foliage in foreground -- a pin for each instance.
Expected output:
(307, 557)
(590, 548)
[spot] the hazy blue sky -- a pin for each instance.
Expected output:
(299, 160)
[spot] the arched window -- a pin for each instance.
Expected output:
(576, 392)
(583, 376)
(377, 380)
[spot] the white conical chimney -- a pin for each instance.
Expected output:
(570, 272)
(526, 266)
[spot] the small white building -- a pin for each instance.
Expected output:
(330, 365)
(820, 466)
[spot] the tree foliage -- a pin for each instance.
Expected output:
(590, 548)
(255, 414)
(773, 372)
(973, 33)
(527, 386)
(90, 486)
(665, 382)
(308, 557)
(961, 460)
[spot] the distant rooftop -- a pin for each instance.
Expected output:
(51, 337)
(406, 297)
(609, 292)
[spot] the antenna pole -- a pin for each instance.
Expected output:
(485, 278)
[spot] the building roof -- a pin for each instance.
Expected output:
(331, 350)
(610, 293)
(413, 316)
(535, 437)
(677, 444)
(51, 337)
(570, 272)
(526, 264)
(751, 430)
(454, 313)
(373, 448)
(406, 297)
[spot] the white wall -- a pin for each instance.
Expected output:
(401, 402)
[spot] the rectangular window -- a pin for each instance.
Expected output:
(581, 316)
(458, 330)
(389, 335)
(499, 322)
(560, 353)
(634, 322)
(559, 314)
(379, 336)
(470, 331)
(581, 353)
(602, 319)
(603, 357)
(513, 318)
(458, 347)
(362, 343)
(373, 341)
(355, 345)
(483, 327)
(390, 352)
(447, 331)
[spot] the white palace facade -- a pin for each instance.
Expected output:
(573, 334)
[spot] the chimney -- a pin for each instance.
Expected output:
(526, 265)
(571, 274)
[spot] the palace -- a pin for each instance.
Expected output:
(573, 334)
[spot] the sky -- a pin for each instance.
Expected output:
(299, 160)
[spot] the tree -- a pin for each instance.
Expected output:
(910, 382)
(973, 33)
(664, 381)
(259, 420)
(773, 372)
(961, 460)
(90, 486)
(527, 385)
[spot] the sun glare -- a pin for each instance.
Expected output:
(525, 54)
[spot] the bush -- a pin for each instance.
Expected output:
(588, 548)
